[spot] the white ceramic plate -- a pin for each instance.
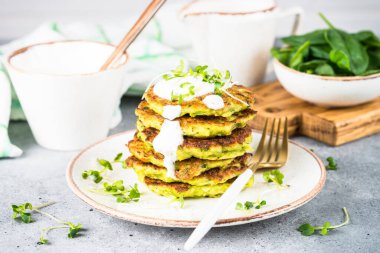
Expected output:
(304, 172)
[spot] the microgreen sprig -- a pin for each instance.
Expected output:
(118, 190)
(96, 175)
(25, 216)
(274, 176)
(307, 229)
(21, 212)
(217, 77)
(249, 205)
(332, 165)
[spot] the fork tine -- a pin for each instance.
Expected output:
(283, 154)
(260, 148)
(271, 135)
(276, 146)
(268, 149)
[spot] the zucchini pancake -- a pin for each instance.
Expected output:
(192, 137)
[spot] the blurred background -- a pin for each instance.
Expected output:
(18, 17)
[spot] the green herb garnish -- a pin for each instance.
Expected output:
(331, 52)
(332, 165)
(307, 229)
(274, 176)
(249, 205)
(216, 77)
(95, 175)
(117, 189)
(22, 212)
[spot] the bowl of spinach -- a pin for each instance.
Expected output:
(330, 67)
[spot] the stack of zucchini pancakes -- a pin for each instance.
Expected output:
(192, 137)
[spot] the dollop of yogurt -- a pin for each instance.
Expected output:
(214, 102)
(167, 142)
(171, 111)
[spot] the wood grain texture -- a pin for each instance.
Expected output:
(328, 125)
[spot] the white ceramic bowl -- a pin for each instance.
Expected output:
(328, 91)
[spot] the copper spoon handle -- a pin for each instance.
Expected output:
(132, 34)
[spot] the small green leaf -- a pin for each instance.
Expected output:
(248, 205)
(274, 176)
(85, 175)
(25, 217)
(118, 157)
(134, 193)
(106, 164)
(98, 179)
(21, 211)
(306, 229)
(324, 230)
(43, 241)
(332, 165)
(239, 206)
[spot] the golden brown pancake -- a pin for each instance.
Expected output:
(186, 190)
(215, 148)
(210, 177)
(186, 169)
(241, 100)
(200, 126)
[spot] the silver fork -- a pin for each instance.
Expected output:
(271, 154)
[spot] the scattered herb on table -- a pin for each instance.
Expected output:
(307, 229)
(24, 212)
(274, 176)
(332, 165)
(331, 52)
(96, 175)
(249, 205)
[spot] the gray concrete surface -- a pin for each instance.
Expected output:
(39, 176)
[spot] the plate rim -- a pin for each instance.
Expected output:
(190, 223)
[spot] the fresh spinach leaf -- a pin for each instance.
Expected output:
(374, 59)
(315, 38)
(331, 52)
(281, 54)
(324, 70)
(321, 51)
(298, 56)
(347, 51)
(368, 38)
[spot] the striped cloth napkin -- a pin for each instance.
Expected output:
(159, 48)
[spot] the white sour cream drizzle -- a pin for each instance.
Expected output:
(214, 102)
(171, 111)
(171, 136)
(167, 142)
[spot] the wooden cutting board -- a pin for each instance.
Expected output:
(331, 126)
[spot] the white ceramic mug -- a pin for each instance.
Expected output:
(236, 35)
(68, 103)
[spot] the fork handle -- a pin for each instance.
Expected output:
(224, 201)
